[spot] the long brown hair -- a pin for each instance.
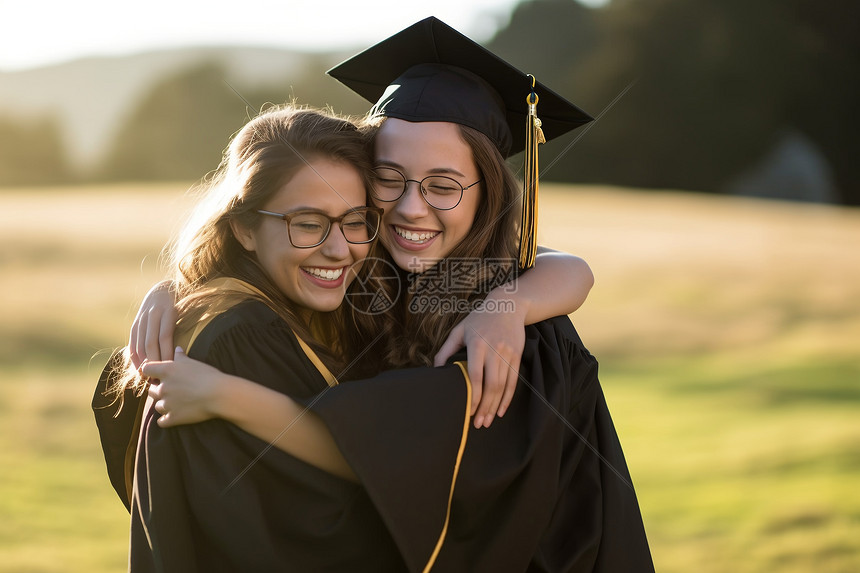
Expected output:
(414, 332)
(262, 157)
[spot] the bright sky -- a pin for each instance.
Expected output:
(40, 32)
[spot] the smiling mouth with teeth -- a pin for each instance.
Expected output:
(418, 238)
(324, 274)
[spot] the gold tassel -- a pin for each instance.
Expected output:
(528, 227)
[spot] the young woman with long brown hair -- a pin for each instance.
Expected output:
(260, 269)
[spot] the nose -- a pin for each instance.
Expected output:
(411, 204)
(335, 245)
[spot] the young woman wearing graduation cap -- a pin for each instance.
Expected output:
(546, 488)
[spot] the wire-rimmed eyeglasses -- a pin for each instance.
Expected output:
(439, 191)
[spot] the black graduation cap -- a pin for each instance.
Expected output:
(431, 72)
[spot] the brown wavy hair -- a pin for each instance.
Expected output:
(261, 158)
(413, 333)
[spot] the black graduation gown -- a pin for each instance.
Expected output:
(205, 499)
(545, 488)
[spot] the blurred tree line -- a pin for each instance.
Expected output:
(31, 152)
(689, 94)
(713, 86)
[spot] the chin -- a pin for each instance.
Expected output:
(320, 303)
(410, 262)
(326, 307)
(418, 263)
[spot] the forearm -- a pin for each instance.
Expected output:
(281, 421)
(558, 284)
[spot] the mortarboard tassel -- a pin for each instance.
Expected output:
(528, 227)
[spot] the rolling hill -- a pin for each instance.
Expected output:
(89, 97)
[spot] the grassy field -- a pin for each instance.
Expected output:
(728, 332)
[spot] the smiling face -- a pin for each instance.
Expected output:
(314, 278)
(416, 234)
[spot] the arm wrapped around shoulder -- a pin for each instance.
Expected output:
(545, 488)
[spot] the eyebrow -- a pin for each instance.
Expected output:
(434, 171)
(320, 211)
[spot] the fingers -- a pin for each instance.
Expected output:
(154, 370)
(513, 375)
(151, 334)
(155, 391)
(161, 368)
(138, 335)
(452, 344)
(136, 359)
(165, 336)
(499, 384)
(151, 344)
(493, 388)
(501, 374)
(165, 420)
(476, 376)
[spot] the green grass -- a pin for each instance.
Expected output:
(726, 329)
(59, 512)
(743, 472)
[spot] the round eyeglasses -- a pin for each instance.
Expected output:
(440, 192)
(308, 229)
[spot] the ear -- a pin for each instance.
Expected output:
(244, 235)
